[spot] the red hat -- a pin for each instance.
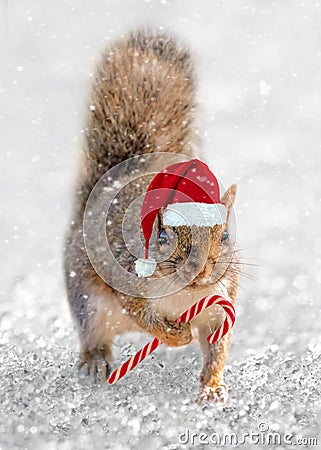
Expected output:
(190, 194)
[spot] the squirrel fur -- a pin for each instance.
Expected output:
(143, 101)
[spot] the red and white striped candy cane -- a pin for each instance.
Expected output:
(227, 324)
(204, 303)
(187, 316)
(134, 361)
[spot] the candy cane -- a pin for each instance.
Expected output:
(187, 316)
(198, 307)
(132, 362)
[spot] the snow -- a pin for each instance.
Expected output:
(268, 144)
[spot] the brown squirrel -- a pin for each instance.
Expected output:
(143, 101)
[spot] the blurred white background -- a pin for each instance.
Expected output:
(259, 91)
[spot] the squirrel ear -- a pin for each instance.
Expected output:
(229, 197)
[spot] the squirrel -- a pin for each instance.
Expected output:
(143, 102)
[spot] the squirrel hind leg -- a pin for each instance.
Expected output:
(100, 319)
(96, 363)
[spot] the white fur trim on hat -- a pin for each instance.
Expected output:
(145, 267)
(193, 213)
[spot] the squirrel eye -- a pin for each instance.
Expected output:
(225, 235)
(163, 238)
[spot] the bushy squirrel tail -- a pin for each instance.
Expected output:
(142, 101)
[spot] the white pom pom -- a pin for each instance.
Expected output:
(145, 267)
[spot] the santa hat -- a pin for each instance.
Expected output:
(190, 195)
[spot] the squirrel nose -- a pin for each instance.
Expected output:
(188, 271)
(189, 274)
(197, 271)
(191, 269)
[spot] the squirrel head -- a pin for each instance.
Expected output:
(198, 255)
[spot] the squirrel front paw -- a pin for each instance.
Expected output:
(176, 335)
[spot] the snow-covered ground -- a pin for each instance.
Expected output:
(259, 65)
